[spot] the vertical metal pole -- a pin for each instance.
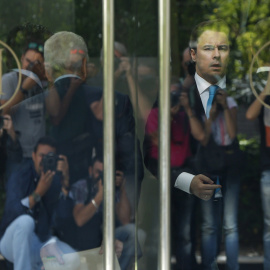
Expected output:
(164, 134)
(108, 131)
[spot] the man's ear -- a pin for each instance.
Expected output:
(33, 156)
(84, 69)
(193, 54)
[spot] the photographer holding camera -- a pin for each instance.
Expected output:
(31, 197)
(186, 129)
(79, 218)
(26, 106)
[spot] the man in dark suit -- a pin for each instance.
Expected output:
(210, 48)
(210, 51)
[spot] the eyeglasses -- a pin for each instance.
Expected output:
(36, 46)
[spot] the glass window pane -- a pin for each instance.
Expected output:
(57, 91)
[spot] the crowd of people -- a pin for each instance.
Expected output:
(51, 142)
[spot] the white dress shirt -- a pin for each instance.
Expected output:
(183, 181)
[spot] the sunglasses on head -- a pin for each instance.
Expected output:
(36, 46)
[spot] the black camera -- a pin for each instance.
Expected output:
(101, 177)
(49, 162)
(175, 95)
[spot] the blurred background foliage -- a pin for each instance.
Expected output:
(136, 24)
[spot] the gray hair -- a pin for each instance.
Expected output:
(58, 51)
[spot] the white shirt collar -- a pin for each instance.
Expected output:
(66, 76)
(202, 84)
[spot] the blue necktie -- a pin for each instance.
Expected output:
(212, 91)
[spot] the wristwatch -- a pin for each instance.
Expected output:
(36, 197)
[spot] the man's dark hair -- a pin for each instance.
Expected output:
(96, 158)
(214, 25)
(46, 140)
(20, 37)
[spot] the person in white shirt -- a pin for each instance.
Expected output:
(210, 51)
(209, 48)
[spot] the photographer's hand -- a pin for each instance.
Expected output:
(75, 84)
(83, 213)
(120, 179)
(175, 109)
(208, 123)
(44, 184)
(184, 100)
(99, 196)
(62, 166)
(221, 98)
(124, 65)
(8, 126)
(213, 112)
(38, 68)
(230, 114)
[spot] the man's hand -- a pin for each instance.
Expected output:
(97, 109)
(28, 83)
(184, 100)
(119, 179)
(221, 98)
(124, 64)
(99, 196)
(118, 246)
(75, 83)
(175, 109)
(62, 166)
(44, 182)
(38, 68)
(203, 187)
(8, 126)
(213, 111)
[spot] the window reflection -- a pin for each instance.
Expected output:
(60, 102)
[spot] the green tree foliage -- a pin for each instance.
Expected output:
(55, 15)
(248, 20)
